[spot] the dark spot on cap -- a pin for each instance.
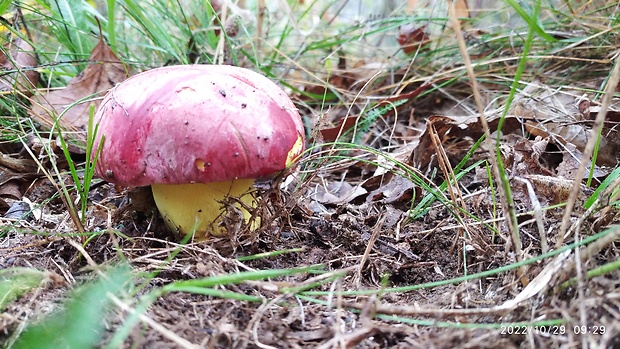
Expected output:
(186, 122)
(244, 105)
(223, 93)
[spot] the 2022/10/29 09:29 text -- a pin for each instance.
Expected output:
(550, 330)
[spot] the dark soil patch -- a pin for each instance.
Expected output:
(418, 252)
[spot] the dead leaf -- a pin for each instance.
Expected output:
(337, 193)
(554, 190)
(540, 282)
(312, 335)
(394, 188)
(11, 190)
(12, 185)
(567, 117)
(609, 151)
(19, 210)
(457, 136)
(413, 39)
(18, 165)
(571, 159)
(20, 63)
(523, 156)
(103, 73)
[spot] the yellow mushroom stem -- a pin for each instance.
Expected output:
(204, 206)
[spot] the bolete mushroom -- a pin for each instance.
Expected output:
(197, 134)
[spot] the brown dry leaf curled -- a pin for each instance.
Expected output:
(337, 193)
(412, 38)
(103, 73)
(20, 62)
(457, 134)
(567, 117)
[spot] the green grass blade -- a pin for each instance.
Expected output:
(111, 29)
(268, 254)
(239, 277)
(72, 25)
(217, 293)
(597, 193)
(530, 18)
(4, 5)
(79, 324)
(152, 27)
(16, 281)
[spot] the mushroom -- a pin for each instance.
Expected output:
(197, 134)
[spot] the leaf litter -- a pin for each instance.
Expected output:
(19, 61)
(69, 106)
(386, 217)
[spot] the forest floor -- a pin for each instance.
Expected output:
(364, 244)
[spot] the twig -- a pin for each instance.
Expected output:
(537, 213)
(371, 243)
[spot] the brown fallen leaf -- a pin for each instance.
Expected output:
(554, 190)
(565, 117)
(337, 193)
(13, 182)
(11, 190)
(571, 159)
(522, 156)
(18, 165)
(609, 151)
(18, 58)
(103, 73)
(413, 39)
(457, 136)
(393, 189)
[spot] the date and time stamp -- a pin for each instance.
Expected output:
(551, 330)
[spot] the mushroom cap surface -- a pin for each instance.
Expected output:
(195, 124)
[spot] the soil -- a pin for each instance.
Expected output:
(402, 253)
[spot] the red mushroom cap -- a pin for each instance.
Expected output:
(196, 124)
